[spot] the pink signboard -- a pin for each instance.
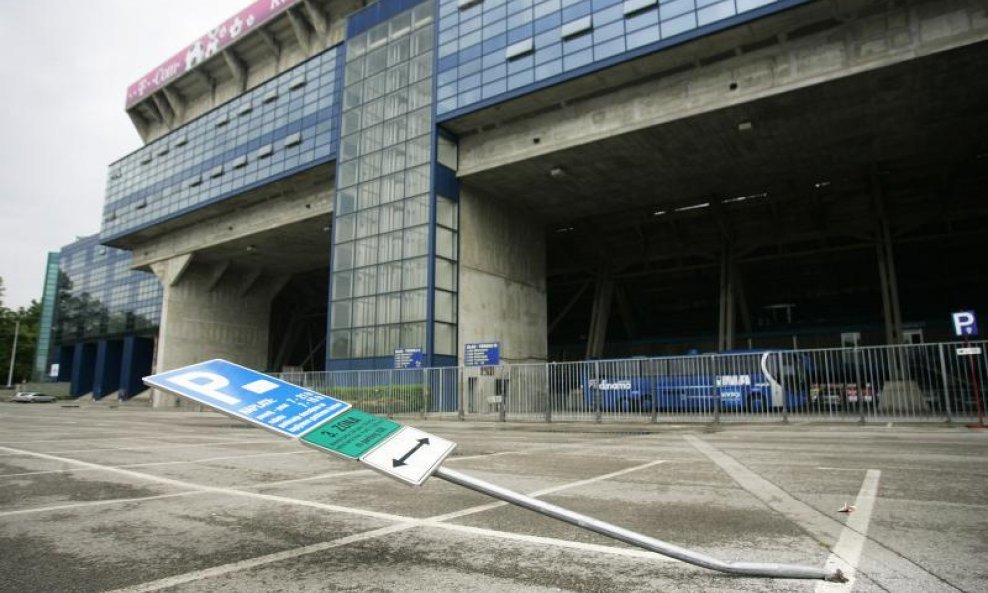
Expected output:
(206, 46)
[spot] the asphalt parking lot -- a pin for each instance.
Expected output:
(130, 500)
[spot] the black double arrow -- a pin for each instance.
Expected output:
(400, 462)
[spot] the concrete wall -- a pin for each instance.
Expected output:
(205, 315)
(862, 37)
(502, 278)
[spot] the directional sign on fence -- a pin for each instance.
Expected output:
(320, 421)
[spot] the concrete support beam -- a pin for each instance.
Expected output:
(301, 29)
(569, 306)
(295, 201)
(175, 101)
(170, 271)
(140, 124)
(601, 314)
(897, 33)
(205, 79)
(270, 42)
(218, 271)
(319, 21)
(502, 278)
(888, 280)
(161, 104)
(203, 319)
(628, 321)
(725, 322)
(249, 281)
(237, 68)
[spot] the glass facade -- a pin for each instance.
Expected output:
(100, 296)
(385, 238)
(371, 104)
(49, 296)
(278, 127)
(491, 49)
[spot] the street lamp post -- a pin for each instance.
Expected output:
(13, 353)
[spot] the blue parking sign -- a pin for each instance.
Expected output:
(965, 324)
(264, 401)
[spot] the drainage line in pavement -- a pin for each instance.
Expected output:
(752, 569)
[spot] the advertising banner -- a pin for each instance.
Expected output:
(206, 46)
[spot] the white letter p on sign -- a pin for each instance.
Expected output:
(210, 388)
(964, 323)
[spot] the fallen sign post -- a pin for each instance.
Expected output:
(400, 452)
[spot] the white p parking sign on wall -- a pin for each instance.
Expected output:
(965, 324)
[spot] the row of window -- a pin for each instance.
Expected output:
(496, 46)
(269, 160)
(287, 122)
(100, 294)
(384, 340)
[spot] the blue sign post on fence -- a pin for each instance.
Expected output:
(486, 354)
(264, 401)
(408, 358)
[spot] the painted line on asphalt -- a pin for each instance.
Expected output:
(156, 463)
(850, 544)
(551, 541)
(242, 565)
(402, 522)
(164, 447)
(138, 437)
(549, 490)
(817, 524)
(96, 503)
(192, 486)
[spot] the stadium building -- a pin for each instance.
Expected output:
(323, 183)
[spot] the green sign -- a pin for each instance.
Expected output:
(351, 434)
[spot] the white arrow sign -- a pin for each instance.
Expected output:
(410, 455)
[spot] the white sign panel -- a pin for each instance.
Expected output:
(411, 455)
(973, 351)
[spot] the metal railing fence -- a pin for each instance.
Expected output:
(922, 383)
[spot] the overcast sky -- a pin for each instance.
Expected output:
(64, 74)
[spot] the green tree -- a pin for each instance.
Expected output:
(27, 340)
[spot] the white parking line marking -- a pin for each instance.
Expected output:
(215, 571)
(97, 436)
(218, 489)
(847, 553)
(96, 503)
(402, 522)
(820, 526)
(551, 541)
(155, 463)
(164, 447)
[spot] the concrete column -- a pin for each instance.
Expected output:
(600, 315)
(502, 289)
(106, 380)
(888, 280)
(135, 364)
(65, 360)
(203, 317)
(726, 320)
(83, 365)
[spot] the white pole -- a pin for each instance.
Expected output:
(13, 352)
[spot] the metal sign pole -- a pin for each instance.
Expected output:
(401, 452)
(976, 384)
(752, 569)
